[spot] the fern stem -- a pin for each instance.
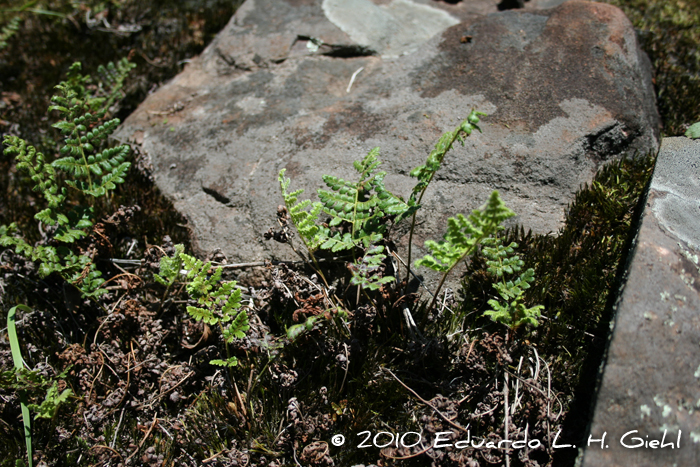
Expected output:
(317, 268)
(424, 321)
(229, 370)
(85, 163)
(162, 300)
(455, 135)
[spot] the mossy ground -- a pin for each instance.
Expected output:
(670, 35)
(144, 391)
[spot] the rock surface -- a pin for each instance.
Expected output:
(651, 381)
(303, 85)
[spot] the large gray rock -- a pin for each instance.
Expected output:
(650, 388)
(311, 86)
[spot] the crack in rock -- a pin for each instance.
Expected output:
(217, 196)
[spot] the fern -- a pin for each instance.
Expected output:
(510, 310)
(305, 220)
(40, 172)
(367, 271)
(169, 268)
(9, 30)
(361, 210)
(49, 406)
(220, 303)
(362, 206)
(464, 236)
(425, 173)
(84, 169)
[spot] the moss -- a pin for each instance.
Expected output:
(669, 33)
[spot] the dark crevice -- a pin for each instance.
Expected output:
(338, 50)
(511, 5)
(217, 196)
(609, 141)
(230, 61)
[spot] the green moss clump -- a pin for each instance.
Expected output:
(670, 34)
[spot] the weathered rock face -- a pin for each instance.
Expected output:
(311, 86)
(649, 388)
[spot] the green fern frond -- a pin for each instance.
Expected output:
(502, 261)
(202, 314)
(200, 285)
(34, 164)
(221, 302)
(238, 326)
(463, 237)
(510, 310)
(73, 226)
(8, 240)
(49, 406)
(363, 205)
(424, 173)
(229, 362)
(305, 220)
(76, 101)
(82, 110)
(9, 30)
(465, 234)
(89, 285)
(367, 271)
(393, 205)
(84, 131)
(169, 268)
